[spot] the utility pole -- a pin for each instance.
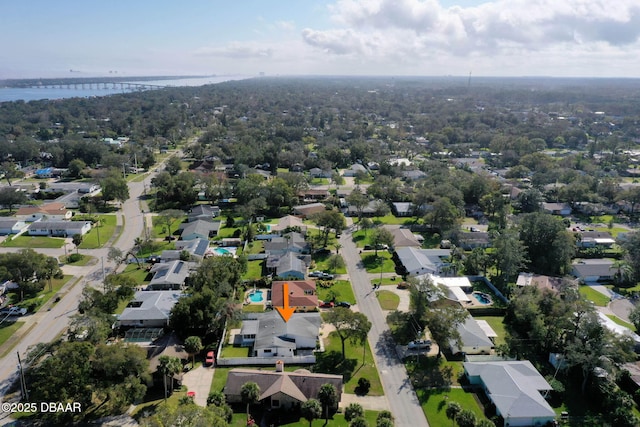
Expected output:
(23, 382)
(102, 261)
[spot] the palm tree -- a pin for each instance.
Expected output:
(452, 411)
(250, 393)
(311, 410)
(77, 240)
(328, 396)
(337, 247)
(169, 366)
(193, 345)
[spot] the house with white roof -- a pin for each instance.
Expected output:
(271, 336)
(515, 388)
(474, 338)
(59, 228)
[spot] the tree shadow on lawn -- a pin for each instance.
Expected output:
(331, 362)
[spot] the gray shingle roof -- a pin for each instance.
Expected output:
(151, 305)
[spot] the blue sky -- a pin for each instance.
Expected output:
(44, 38)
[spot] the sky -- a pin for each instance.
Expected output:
(76, 38)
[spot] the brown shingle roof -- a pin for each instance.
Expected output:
(302, 293)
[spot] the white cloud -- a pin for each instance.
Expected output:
(236, 50)
(414, 31)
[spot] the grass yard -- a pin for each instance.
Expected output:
(387, 281)
(85, 260)
(106, 229)
(498, 327)
(592, 295)
(34, 242)
(253, 308)
(140, 275)
(372, 263)
(232, 351)
(7, 329)
(434, 404)
(322, 262)
(34, 303)
(156, 247)
(388, 300)
(391, 219)
(621, 322)
(341, 287)
(255, 247)
(159, 229)
(254, 270)
(351, 368)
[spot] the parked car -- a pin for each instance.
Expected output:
(343, 304)
(209, 359)
(14, 311)
(327, 276)
(403, 285)
(316, 274)
(327, 304)
(419, 344)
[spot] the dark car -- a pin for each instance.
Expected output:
(343, 304)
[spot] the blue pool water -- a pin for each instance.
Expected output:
(221, 251)
(256, 296)
(482, 298)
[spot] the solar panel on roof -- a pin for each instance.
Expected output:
(178, 268)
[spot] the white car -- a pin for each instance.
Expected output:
(14, 311)
(419, 344)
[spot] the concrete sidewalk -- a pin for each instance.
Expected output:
(373, 403)
(199, 381)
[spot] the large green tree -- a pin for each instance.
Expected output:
(328, 221)
(350, 325)
(549, 246)
(114, 186)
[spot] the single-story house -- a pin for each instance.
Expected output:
(168, 275)
(402, 209)
(302, 294)
(12, 226)
(290, 242)
(149, 309)
(592, 239)
(476, 239)
(44, 173)
(289, 221)
(54, 211)
(313, 194)
(199, 229)
(369, 210)
(542, 282)
(594, 270)
(197, 249)
(271, 336)
(59, 228)
(232, 241)
(423, 261)
(515, 388)
(562, 209)
(403, 237)
(306, 210)
(455, 288)
(203, 212)
(473, 338)
(354, 170)
(413, 175)
(280, 389)
(289, 265)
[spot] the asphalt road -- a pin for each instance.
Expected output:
(403, 402)
(46, 325)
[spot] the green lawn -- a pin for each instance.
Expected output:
(372, 263)
(498, 327)
(621, 322)
(388, 300)
(7, 329)
(255, 247)
(232, 351)
(156, 247)
(393, 220)
(387, 281)
(254, 270)
(140, 275)
(253, 308)
(34, 303)
(159, 229)
(34, 242)
(341, 287)
(104, 231)
(322, 263)
(434, 404)
(592, 295)
(351, 368)
(85, 260)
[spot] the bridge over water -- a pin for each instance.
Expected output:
(100, 85)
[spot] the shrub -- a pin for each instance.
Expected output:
(364, 385)
(353, 411)
(74, 258)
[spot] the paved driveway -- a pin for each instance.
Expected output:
(199, 381)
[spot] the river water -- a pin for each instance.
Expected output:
(33, 94)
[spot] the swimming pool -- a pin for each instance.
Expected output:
(225, 251)
(255, 296)
(482, 298)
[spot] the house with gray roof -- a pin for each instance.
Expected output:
(403, 237)
(515, 388)
(562, 209)
(355, 169)
(203, 212)
(199, 229)
(290, 242)
(402, 209)
(279, 388)
(59, 228)
(418, 261)
(473, 339)
(169, 275)
(306, 210)
(197, 250)
(12, 226)
(270, 336)
(149, 309)
(594, 270)
(289, 265)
